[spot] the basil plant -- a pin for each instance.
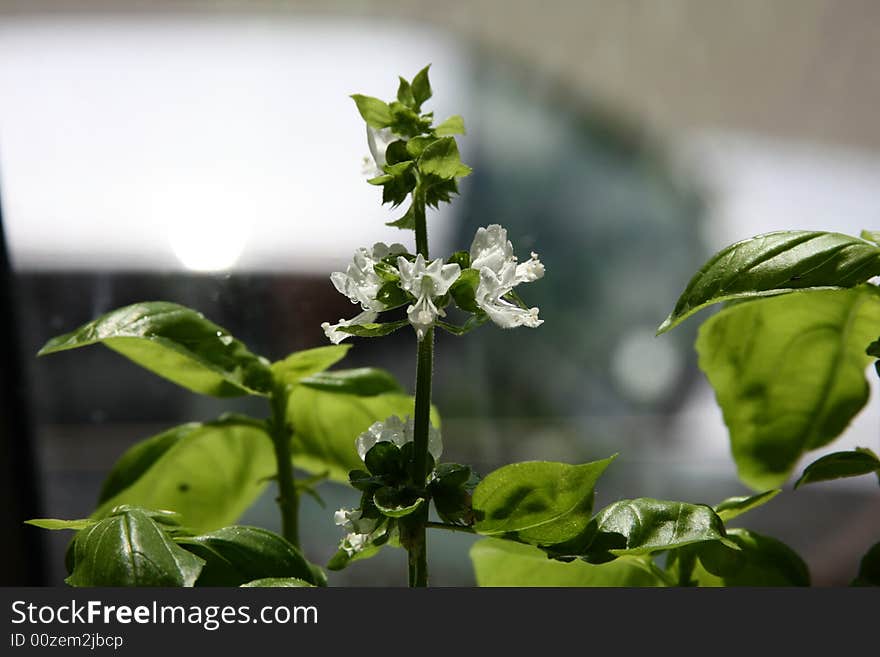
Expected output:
(787, 369)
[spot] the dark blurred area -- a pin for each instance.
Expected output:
(622, 199)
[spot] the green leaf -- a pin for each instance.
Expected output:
(505, 563)
(130, 549)
(384, 460)
(454, 125)
(464, 290)
(405, 93)
(417, 145)
(302, 364)
(776, 263)
(326, 425)
(373, 330)
(759, 561)
(375, 112)
(789, 374)
(537, 502)
(278, 582)
(421, 86)
(394, 505)
(870, 236)
(736, 506)
(236, 555)
(869, 568)
(208, 472)
(441, 159)
(839, 465)
(176, 343)
(406, 222)
(645, 525)
(363, 381)
(55, 524)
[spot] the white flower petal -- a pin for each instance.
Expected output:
(426, 282)
(492, 255)
(399, 432)
(336, 336)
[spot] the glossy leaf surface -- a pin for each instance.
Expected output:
(776, 263)
(860, 461)
(537, 502)
(362, 381)
(736, 506)
(278, 582)
(237, 555)
(760, 561)
(506, 563)
(646, 525)
(130, 549)
(789, 374)
(178, 344)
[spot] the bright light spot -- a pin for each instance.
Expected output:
(644, 366)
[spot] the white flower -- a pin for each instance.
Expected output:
(492, 255)
(361, 531)
(360, 282)
(351, 521)
(336, 336)
(426, 282)
(397, 431)
(378, 141)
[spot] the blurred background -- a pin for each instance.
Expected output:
(207, 153)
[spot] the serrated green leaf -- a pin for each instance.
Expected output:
(406, 222)
(236, 555)
(373, 330)
(839, 465)
(438, 190)
(789, 374)
(375, 112)
(209, 472)
(421, 86)
(736, 506)
(326, 425)
(506, 563)
(302, 364)
(56, 524)
(454, 125)
(417, 145)
(178, 344)
(537, 502)
(278, 582)
(130, 549)
(776, 263)
(441, 158)
(363, 381)
(644, 525)
(759, 561)
(869, 568)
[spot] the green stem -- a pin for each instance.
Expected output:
(415, 530)
(282, 434)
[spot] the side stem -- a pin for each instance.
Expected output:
(288, 496)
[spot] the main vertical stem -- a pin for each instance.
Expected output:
(288, 496)
(415, 525)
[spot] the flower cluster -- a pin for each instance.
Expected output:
(426, 285)
(387, 494)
